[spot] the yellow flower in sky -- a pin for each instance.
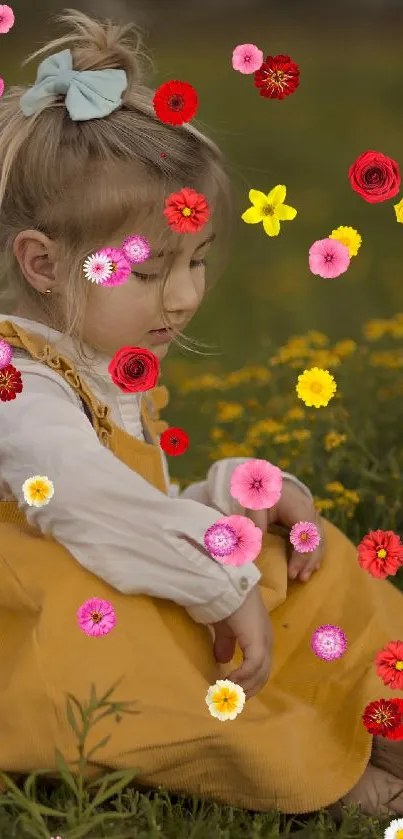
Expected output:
(38, 490)
(398, 208)
(228, 411)
(225, 700)
(316, 387)
(348, 237)
(270, 209)
(333, 439)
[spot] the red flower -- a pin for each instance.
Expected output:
(278, 77)
(380, 553)
(10, 383)
(175, 102)
(375, 177)
(384, 717)
(389, 665)
(174, 441)
(187, 211)
(134, 369)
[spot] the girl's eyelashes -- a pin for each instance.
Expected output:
(194, 263)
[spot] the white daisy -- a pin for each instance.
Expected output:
(98, 267)
(395, 830)
(225, 700)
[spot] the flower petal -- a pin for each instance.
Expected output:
(257, 198)
(285, 213)
(252, 215)
(277, 195)
(271, 225)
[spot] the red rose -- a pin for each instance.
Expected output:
(134, 369)
(375, 177)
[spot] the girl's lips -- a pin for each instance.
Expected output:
(160, 336)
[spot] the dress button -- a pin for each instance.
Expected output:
(244, 583)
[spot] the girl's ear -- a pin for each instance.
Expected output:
(35, 254)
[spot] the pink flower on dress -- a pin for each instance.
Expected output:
(121, 268)
(136, 249)
(329, 642)
(1, 86)
(6, 354)
(6, 19)
(96, 617)
(328, 258)
(304, 536)
(220, 542)
(257, 484)
(247, 58)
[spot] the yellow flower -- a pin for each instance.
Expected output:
(270, 209)
(352, 496)
(217, 434)
(318, 339)
(373, 330)
(206, 382)
(228, 411)
(348, 237)
(252, 403)
(284, 463)
(316, 387)
(38, 490)
(325, 358)
(264, 427)
(295, 414)
(282, 438)
(398, 208)
(345, 348)
(335, 486)
(225, 700)
(323, 504)
(301, 434)
(232, 450)
(391, 359)
(333, 439)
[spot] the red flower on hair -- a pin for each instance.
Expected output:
(278, 77)
(175, 102)
(174, 441)
(384, 718)
(380, 553)
(134, 369)
(389, 665)
(10, 383)
(187, 211)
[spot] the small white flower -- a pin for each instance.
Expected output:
(38, 490)
(98, 267)
(225, 700)
(395, 830)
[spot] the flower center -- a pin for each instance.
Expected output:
(381, 553)
(381, 716)
(174, 441)
(329, 257)
(114, 266)
(176, 102)
(303, 536)
(316, 387)
(257, 483)
(186, 211)
(399, 834)
(137, 368)
(399, 665)
(96, 617)
(4, 379)
(372, 176)
(268, 210)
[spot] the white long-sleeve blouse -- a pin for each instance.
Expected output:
(110, 519)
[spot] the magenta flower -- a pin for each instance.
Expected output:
(6, 354)
(247, 58)
(1, 86)
(328, 258)
(329, 642)
(121, 268)
(136, 249)
(6, 19)
(248, 542)
(304, 536)
(256, 484)
(96, 617)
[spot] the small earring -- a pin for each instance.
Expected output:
(48, 291)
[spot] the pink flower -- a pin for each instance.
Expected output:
(121, 268)
(247, 58)
(304, 536)
(6, 354)
(329, 642)
(136, 249)
(244, 548)
(256, 484)
(1, 86)
(328, 258)
(6, 19)
(96, 617)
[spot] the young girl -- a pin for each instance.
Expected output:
(85, 163)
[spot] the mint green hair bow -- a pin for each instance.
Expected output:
(90, 94)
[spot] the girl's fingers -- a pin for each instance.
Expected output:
(303, 565)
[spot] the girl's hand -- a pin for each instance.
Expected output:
(293, 506)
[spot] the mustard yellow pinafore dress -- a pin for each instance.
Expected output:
(298, 746)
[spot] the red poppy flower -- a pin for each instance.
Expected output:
(278, 77)
(389, 665)
(380, 553)
(175, 102)
(384, 717)
(10, 383)
(187, 211)
(174, 441)
(134, 369)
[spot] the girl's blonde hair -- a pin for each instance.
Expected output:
(81, 183)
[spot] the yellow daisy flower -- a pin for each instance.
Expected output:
(348, 237)
(398, 208)
(316, 387)
(38, 490)
(335, 486)
(270, 209)
(323, 504)
(225, 700)
(301, 434)
(333, 439)
(228, 411)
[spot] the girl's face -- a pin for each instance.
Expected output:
(130, 314)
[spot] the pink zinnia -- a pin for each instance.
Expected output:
(304, 536)
(247, 58)
(389, 665)
(6, 354)
(1, 86)
(96, 617)
(256, 484)
(121, 268)
(328, 258)
(245, 548)
(6, 19)
(136, 249)
(329, 642)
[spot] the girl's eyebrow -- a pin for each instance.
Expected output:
(206, 242)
